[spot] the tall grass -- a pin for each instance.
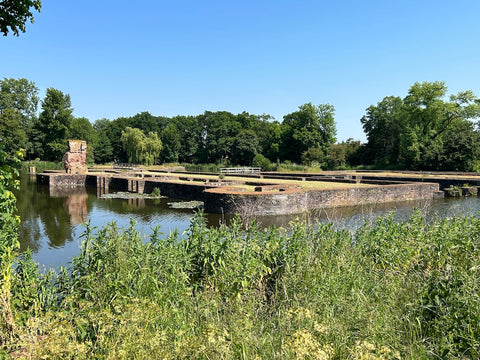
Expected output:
(390, 291)
(41, 166)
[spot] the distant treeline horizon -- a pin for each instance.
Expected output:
(423, 131)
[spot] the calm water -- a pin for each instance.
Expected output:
(52, 222)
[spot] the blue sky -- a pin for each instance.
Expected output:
(118, 58)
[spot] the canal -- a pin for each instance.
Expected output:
(53, 221)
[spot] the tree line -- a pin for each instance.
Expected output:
(422, 131)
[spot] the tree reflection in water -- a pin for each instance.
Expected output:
(49, 212)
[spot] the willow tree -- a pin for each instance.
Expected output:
(141, 149)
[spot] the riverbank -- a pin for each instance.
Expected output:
(387, 291)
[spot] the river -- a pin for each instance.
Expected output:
(53, 222)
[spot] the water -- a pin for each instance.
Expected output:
(52, 221)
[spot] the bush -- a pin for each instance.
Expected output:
(262, 162)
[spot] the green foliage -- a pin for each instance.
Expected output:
(423, 130)
(262, 162)
(18, 107)
(313, 155)
(54, 124)
(9, 243)
(15, 13)
(245, 146)
(12, 135)
(40, 166)
(156, 192)
(20, 95)
(309, 127)
(390, 291)
(140, 148)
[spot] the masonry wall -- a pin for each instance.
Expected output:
(291, 202)
(224, 200)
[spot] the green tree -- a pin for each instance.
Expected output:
(12, 134)
(416, 132)
(245, 146)
(383, 126)
(153, 146)
(141, 148)
(342, 154)
(15, 13)
(170, 138)
(428, 119)
(269, 134)
(133, 141)
(189, 131)
(313, 155)
(21, 96)
(103, 146)
(54, 123)
(218, 132)
(309, 127)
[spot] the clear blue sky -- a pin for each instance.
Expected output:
(118, 58)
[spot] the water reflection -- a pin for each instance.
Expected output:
(52, 220)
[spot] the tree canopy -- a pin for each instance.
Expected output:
(309, 127)
(416, 132)
(15, 13)
(54, 123)
(141, 149)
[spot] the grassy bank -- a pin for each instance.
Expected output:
(389, 291)
(41, 166)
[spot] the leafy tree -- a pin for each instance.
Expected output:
(170, 138)
(414, 132)
(245, 146)
(153, 146)
(309, 127)
(262, 162)
(383, 125)
(313, 155)
(428, 119)
(103, 147)
(12, 134)
(218, 132)
(269, 134)
(342, 154)
(21, 96)
(54, 123)
(15, 13)
(189, 132)
(133, 144)
(141, 148)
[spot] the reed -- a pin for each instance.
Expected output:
(389, 291)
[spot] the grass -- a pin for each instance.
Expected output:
(307, 185)
(389, 291)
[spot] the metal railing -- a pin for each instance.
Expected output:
(241, 170)
(126, 166)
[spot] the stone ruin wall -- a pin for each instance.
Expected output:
(75, 159)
